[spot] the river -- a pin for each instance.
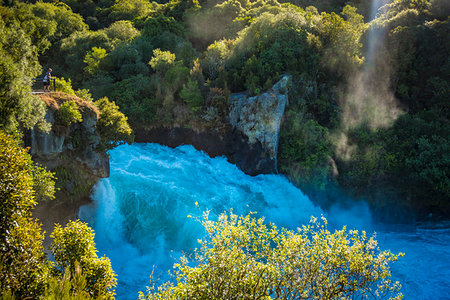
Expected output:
(139, 215)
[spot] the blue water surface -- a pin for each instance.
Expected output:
(140, 216)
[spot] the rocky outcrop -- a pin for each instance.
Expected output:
(249, 139)
(78, 142)
(74, 153)
(258, 120)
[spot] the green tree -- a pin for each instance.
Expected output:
(244, 258)
(46, 24)
(271, 45)
(64, 86)
(125, 61)
(112, 124)
(162, 60)
(93, 59)
(130, 9)
(134, 96)
(304, 151)
(74, 245)
(192, 96)
(121, 31)
(23, 265)
(340, 38)
(18, 64)
(68, 287)
(159, 24)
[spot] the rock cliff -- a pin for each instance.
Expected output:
(250, 135)
(78, 142)
(73, 152)
(258, 119)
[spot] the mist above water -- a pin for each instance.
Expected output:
(368, 99)
(140, 218)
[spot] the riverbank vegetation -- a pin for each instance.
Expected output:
(243, 258)
(25, 271)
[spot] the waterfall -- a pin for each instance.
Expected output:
(376, 36)
(140, 213)
(140, 218)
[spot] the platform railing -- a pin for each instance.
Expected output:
(38, 85)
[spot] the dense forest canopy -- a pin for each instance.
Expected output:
(368, 104)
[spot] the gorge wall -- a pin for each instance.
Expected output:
(74, 152)
(250, 138)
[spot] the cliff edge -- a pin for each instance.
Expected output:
(74, 152)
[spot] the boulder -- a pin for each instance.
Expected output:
(257, 120)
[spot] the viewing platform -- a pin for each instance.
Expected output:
(38, 85)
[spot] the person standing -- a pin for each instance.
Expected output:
(47, 80)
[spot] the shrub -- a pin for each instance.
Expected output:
(64, 86)
(23, 266)
(161, 60)
(93, 59)
(69, 113)
(112, 124)
(304, 150)
(242, 257)
(192, 96)
(75, 245)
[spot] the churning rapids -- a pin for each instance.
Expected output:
(140, 218)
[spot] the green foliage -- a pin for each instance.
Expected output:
(341, 40)
(215, 57)
(271, 45)
(72, 182)
(176, 76)
(126, 61)
(48, 23)
(161, 60)
(25, 272)
(112, 124)
(192, 96)
(135, 99)
(121, 31)
(93, 59)
(73, 50)
(304, 151)
(244, 258)
(178, 8)
(64, 86)
(23, 266)
(92, 11)
(75, 245)
(77, 50)
(84, 94)
(409, 158)
(69, 113)
(43, 183)
(155, 26)
(418, 150)
(213, 23)
(18, 64)
(139, 53)
(70, 287)
(130, 9)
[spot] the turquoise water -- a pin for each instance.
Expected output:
(140, 218)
